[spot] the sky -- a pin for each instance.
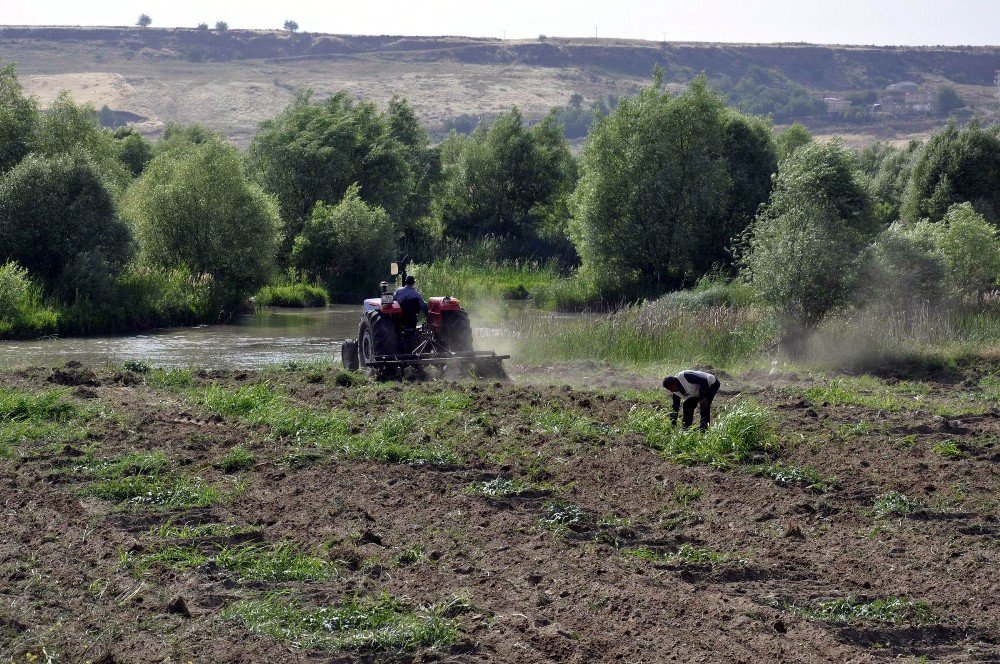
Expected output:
(904, 22)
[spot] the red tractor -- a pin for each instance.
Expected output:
(390, 342)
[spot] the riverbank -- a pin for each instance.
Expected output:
(155, 514)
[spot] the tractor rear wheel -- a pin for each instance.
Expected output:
(377, 336)
(457, 331)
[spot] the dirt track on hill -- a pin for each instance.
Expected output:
(531, 591)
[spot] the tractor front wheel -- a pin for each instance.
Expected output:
(377, 337)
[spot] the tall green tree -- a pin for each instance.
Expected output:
(957, 165)
(18, 119)
(199, 210)
(667, 182)
(806, 250)
(348, 246)
(508, 181)
(68, 127)
(314, 151)
(419, 231)
(59, 221)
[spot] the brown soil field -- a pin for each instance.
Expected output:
(609, 551)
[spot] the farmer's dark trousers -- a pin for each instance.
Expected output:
(705, 404)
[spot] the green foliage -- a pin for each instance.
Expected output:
(144, 21)
(22, 313)
(281, 562)
(67, 128)
(221, 26)
(33, 417)
(805, 254)
(58, 220)
(347, 246)
(315, 152)
(948, 449)
(743, 432)
(956, 165)
(291, 26)
(134, 150)
(357, 624)
(299, 294)
(686, 553)
(158, 490)
(18, 120)
(666, 183)
(468, 279)
(769, 92)
(857, 609)
(501, 488)
(806, 477)
(197, 210)
(559, 513)
(510, 182)
(958, 257)
(791, 139)
(236, 459)
(894, 503)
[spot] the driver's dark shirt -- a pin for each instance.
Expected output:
(409, 293)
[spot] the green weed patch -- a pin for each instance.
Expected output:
(382, 624)
(281, 562)
(685, 553)
(890, 610)
(742, 433)
(894, 503)
(806, 477)
(165, 491)
(45, 416)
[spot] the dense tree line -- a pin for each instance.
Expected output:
(110, 231)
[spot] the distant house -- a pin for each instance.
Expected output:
(836, 106)
(906, 98)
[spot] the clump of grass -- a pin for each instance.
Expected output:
(559, 513)
(39, 416)
(146, 463)
(166, 491)
(344, 378)
(570, 426)
(894, 503)
(262, 404)
(685, 495)
(743, 432)
(842, 391)
(501, 488)
(237, 458)
(806, 477)
(281, 562)
(171, 379)
(948, 449)
(135, 366)
(685, 553)
(187, 531)
(890, 610)
(382, 624)
(411, 556)
(396, 438)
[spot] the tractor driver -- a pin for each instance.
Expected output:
(410, 301)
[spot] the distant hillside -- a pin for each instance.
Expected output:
(231, 80)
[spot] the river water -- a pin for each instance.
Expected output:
(272, 336)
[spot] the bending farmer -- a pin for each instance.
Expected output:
(692, 388)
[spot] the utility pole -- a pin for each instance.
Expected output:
(504, 33)
(595, 32)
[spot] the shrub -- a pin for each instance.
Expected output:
(21, 311)
(196, 209)
(58, 220)
(292, 295)
(347, 246)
